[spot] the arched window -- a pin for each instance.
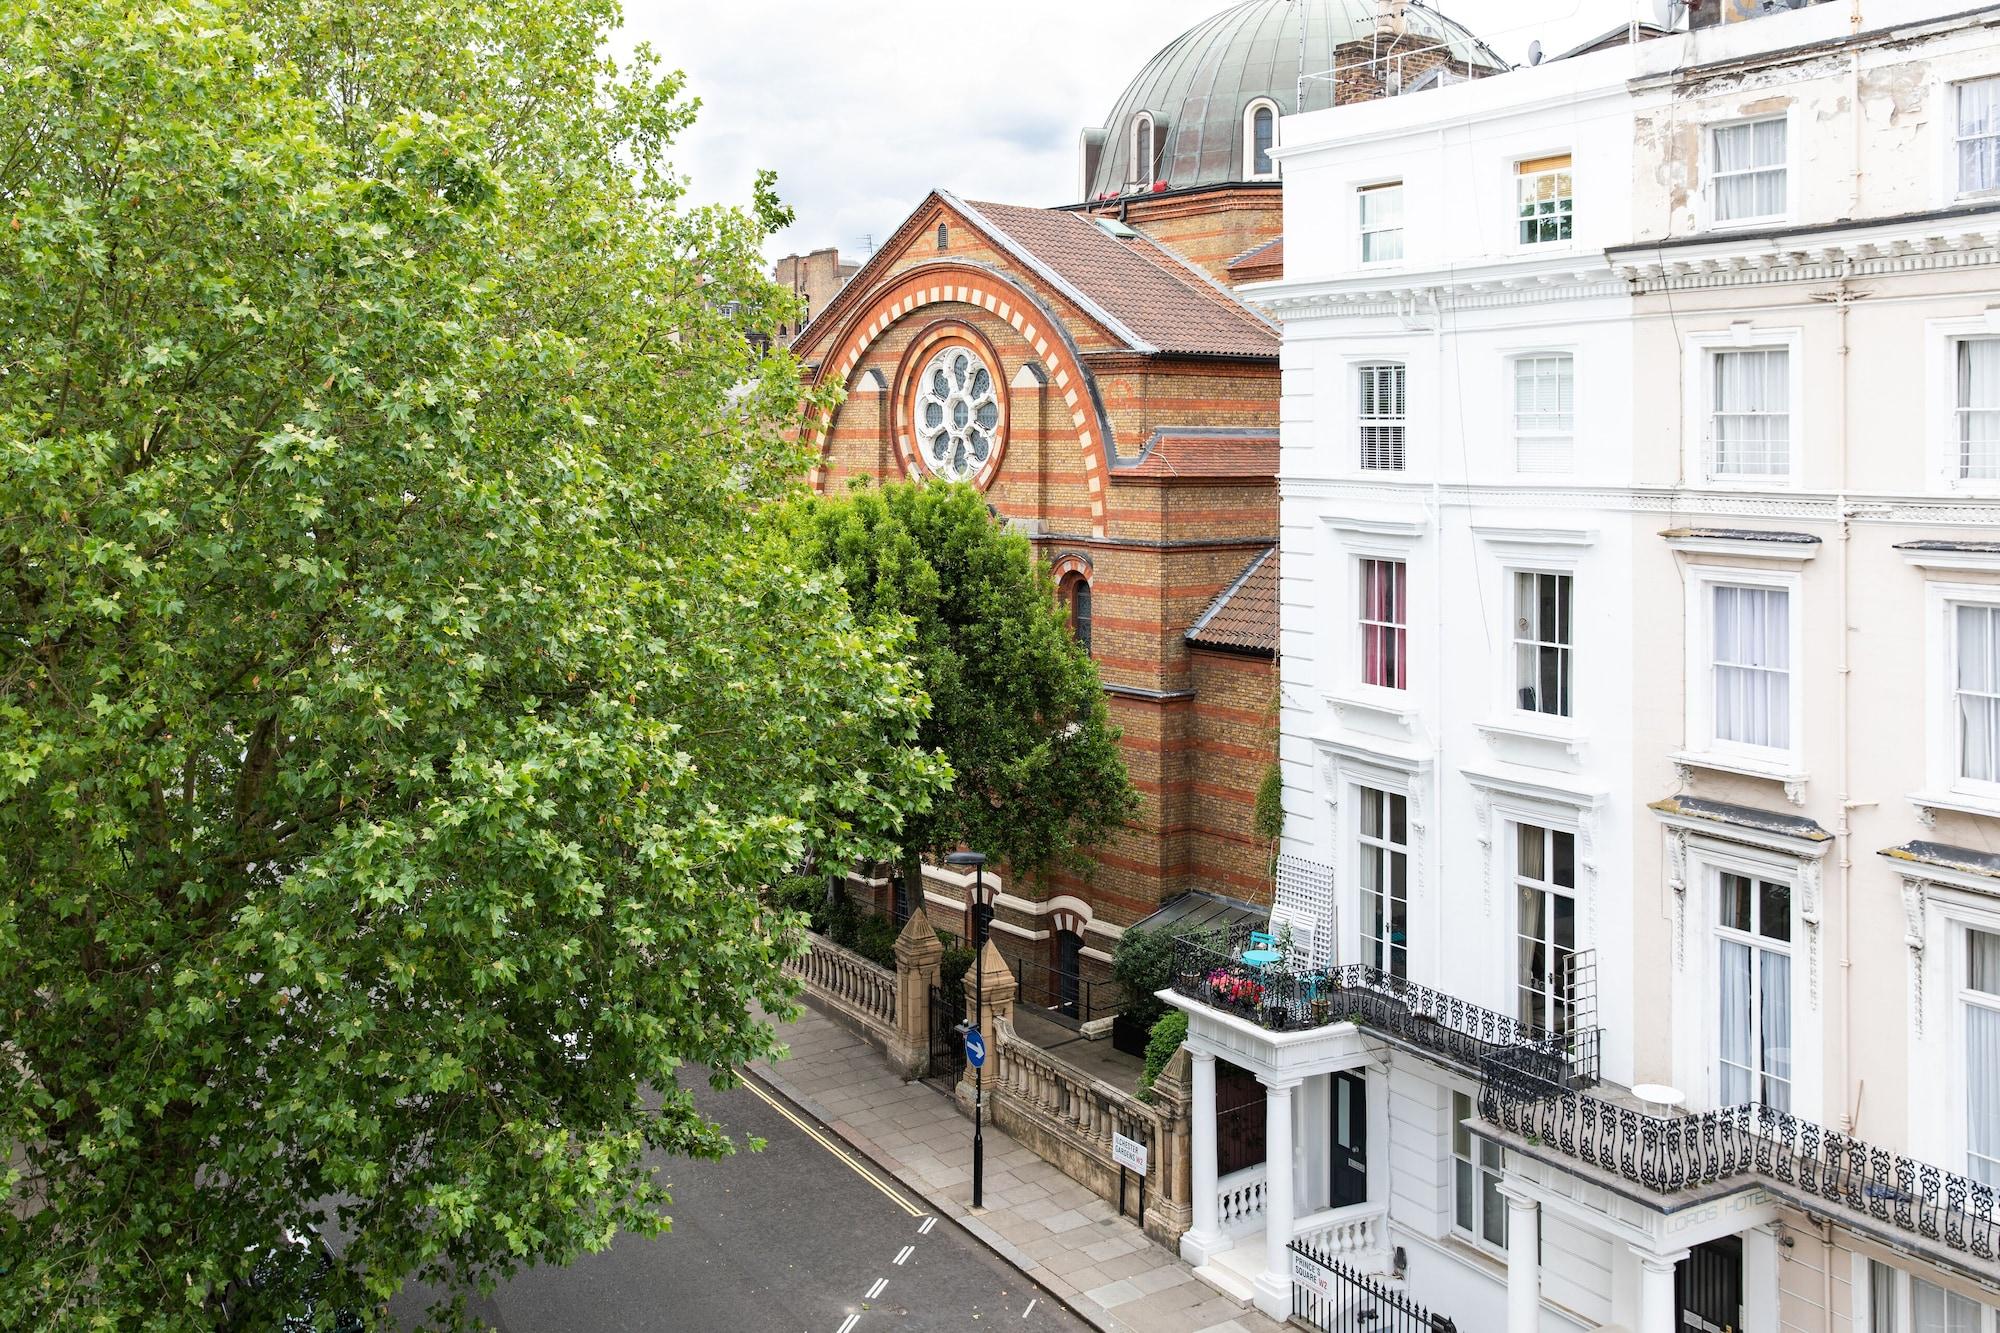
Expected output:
(1076, 596)
(1142, 149)
(944, 236)
(1260, 135)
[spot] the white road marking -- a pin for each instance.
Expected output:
(904, 1257)
(848, 1325)
(1031, 1307)
(925, 1229)
(876, 1290)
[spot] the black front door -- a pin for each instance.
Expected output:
(1708, 1287)
(1069, 971)
(1349, 1184)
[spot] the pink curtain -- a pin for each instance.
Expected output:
(1382, 629)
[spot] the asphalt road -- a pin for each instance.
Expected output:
(804, 1237)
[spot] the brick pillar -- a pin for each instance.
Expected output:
(919, 953)
(990, 970)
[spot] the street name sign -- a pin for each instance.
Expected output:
(1311, 1274)
(1128, 1153)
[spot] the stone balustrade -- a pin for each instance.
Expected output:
(1239, 1200)
(1357, 1234)
(843, 980)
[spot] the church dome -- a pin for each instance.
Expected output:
(1207, 104)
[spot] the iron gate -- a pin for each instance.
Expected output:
(947, 1060)
(1330, 1296)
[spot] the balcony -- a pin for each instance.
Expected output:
(1211, 971)
(1867, 1189)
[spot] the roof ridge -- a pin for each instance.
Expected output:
(1222, 598)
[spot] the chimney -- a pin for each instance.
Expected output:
(1390, 17)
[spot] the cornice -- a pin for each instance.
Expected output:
(1479, 287)
(1799, 506)
(1872, 252)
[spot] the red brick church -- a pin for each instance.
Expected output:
(1092, 370)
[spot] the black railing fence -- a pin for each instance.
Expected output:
(1068, 998)
(1330, 1296)
(1433, 1021)
(1669, 1153)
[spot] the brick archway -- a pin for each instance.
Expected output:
(1038, 326)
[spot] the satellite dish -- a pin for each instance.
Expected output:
(1535, 52)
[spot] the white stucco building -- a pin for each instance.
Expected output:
(1640, 486)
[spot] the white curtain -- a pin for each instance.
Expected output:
(1752, 422)
(1750, 170)
(1752, 666)
(1733, 1005)
(1935, 1310)
(1979, 136)
(1979, 407)
(1978, 631)
(1774, 997)
(1982, 1059)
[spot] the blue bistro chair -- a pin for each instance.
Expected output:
(1263, 950)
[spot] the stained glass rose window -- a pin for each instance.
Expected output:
(958, 414)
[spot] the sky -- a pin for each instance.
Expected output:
(863, 106)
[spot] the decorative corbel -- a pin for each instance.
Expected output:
(1677, 859)
(1914, 902)
(1809, 912)
(1482, 813)
(1795, 792)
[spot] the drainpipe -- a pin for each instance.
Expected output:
(1842, 832)
(1436, 812)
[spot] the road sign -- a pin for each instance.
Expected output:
(1311, 1274)
(1128, 1153)
(975, 1048)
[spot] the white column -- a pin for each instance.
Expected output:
(1656, 1292)
(1204, 1238)
(1274, 1284)
(1524, 1268)
(1760, 1277)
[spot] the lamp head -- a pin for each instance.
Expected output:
(974, 859)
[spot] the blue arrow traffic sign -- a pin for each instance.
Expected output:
(975, 1048)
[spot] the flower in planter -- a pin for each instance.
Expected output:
(1235, 988)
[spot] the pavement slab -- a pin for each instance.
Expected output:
(1070, 1242)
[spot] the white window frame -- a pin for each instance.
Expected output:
(1955, 187)
(1362, 231)
(1388, 712)
(1141, 157)
(1710, 175)
(1964, 998)
(1475, 1159)
(1515, 642)
(1698, 404)
(1697, 980)
(1362, 622)
(1903, 1311)
(1364, 843)
(1250, 139)
(1941, 339)
(1701, 747)
(1944, 787)
(1552, 824)
(1520, 179)
(1358, 370)
(1514, 362)
(1758, 944)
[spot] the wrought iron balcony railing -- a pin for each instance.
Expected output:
(1800, 1159)
(1210, 969)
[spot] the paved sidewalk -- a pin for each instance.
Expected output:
(1059, 1233)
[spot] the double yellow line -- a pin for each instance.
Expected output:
(834, 1148)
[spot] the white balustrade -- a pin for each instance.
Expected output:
(1345, 1233)
(1240, 1199)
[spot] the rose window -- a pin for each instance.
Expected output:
(958, 412)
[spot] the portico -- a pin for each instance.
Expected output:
(1317, 1176)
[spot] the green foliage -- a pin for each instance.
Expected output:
(1168, 1033)
(1143, 963)
(956, 962)
(1267, 817)
(400, 692)
(1016, 704)
(875, 940)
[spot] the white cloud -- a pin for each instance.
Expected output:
(862, 106)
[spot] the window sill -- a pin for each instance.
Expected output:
(1524, 738)
(1764, 482)
(1384, 711)
(1928, 803)
(1743, 224)
(1779, 769)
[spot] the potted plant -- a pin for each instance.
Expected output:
(1322, 1011)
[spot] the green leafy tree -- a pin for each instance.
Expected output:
(1016, 704)
(400, 693)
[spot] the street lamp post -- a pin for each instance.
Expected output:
(977, 860)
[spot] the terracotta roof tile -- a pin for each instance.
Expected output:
(1266, 259)
(1202, 451)
(1244, 619)
(1167, 304)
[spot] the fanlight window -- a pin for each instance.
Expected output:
(958, 414)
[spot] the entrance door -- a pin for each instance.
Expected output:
(1708, 1287)
(1069, 972)
(1349, 1183)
